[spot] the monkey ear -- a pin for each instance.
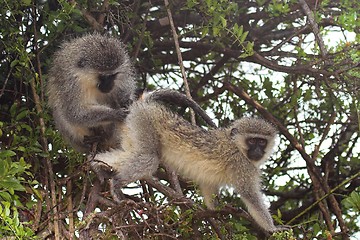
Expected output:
(234, 131)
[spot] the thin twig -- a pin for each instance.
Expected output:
(179, 56)
(6, 80)
(141, 37)
(325, 196)
(314, 27)
(324, 135)
(44, 143)
(173, 176)
(70, 209)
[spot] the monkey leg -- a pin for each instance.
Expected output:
(115, 190)
(128, 167)
(105, 137)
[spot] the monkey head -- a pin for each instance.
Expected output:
(255, 137)
(98, 61)
(100, 53)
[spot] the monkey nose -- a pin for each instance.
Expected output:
(255, 155)
(106, 83)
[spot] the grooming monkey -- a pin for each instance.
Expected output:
(211, 158)
(91, 84)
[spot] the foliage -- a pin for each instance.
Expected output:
(11, 184)
(353, 201)
(295, 63)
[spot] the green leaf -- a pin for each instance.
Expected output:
(13, 109)
(238, 30)
(223, 21)
(21, 148)
(6, 153)
(22, 114)
(5, 196)
(11, 184)
(204, 32)
(316, 229)
(216, 31)
(353, 201)
(243, 36)
(26, 2)
(268, 87)
(14, 63)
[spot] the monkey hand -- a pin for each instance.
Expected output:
(90, 140)
(121, 113)
(101, 170)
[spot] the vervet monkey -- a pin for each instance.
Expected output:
(91, 84)
(211, 158)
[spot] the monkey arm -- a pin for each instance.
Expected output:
(95, 115)
(128, 167)
(253, 199)
(209, 191)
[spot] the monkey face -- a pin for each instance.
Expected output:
(256, 148)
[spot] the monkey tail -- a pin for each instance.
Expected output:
(175, 97)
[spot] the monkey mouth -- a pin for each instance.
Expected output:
(255, 156)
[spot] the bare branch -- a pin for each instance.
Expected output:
(314, 27)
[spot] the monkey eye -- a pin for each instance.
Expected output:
(262, 142)
(251, 141)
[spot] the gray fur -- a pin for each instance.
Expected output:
(211, 158)
(173, 96)
(79, 107)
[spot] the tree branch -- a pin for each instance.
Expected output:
(314, 27)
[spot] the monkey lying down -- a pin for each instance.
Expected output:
(211, 158)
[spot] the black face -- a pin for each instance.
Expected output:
(256, 148)
(106, 82)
